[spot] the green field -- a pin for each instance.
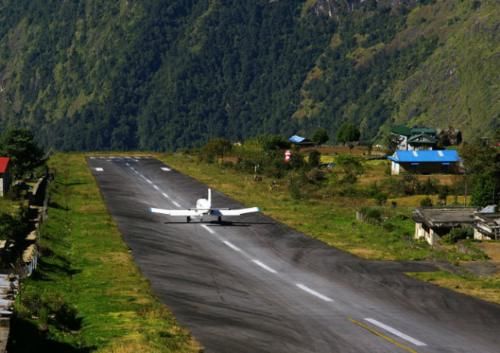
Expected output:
(88, 294)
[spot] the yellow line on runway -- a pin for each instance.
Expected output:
(381, 335)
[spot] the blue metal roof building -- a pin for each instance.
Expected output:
(299, 140)
(426, 162)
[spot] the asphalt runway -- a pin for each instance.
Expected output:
(251, 284)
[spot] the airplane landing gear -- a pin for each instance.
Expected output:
(188, 219)
(219, 219)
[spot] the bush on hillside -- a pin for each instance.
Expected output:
(426, 202)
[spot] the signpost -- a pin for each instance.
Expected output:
(288, 155)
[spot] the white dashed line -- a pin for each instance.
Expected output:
(165, 169)
(176, 204)
(208, 229)
(127, 164)
(99, 169)
(148, 181)
(156, 187)
(396, 332)
(264, 266)
(165, 195)
(92, 157)
(313, 292)
(232, 246)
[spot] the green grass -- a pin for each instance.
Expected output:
(87, 267)
(486, 288)
(8, 206)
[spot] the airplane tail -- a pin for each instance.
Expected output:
(209, 198)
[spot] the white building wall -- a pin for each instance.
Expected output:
(419, 231)
(430, 236)
(394, 168)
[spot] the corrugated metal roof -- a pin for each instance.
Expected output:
(296, 139)
(422, 138)
(439, 156)
(423, 130)
(401, 130)
(4, 163)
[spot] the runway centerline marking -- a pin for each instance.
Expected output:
(381, 335)
(396, 332)
(264, 266)
(176, 203)
(156, 187)
(165, 195)
(313, 292)
(207, 229)
(148, 181)
(231, 245)
(99, 169)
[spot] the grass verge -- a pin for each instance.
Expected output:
(486, 288)
(88, 295)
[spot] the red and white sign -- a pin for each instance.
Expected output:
(288, 155)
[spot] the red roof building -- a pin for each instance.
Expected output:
(4, 175)
(4, 164)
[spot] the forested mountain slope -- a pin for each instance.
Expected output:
(151, 74)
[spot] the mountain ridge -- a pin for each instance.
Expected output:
(148, 75)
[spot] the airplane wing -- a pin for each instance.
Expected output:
(237, 212)
(183, 213)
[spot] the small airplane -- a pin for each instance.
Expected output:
(204, 208)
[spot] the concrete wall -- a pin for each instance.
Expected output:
(428, 234)
(395, 168)
(480, 236)
(4, 183)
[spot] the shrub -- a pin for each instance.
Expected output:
(320, 136)
(67, 318)
(315, 175)
(426, 202)
(430, 186)
(380, 198)
(457, 234)
(444, 191)
(215, 148)
(314, 159)
(351, 167)
(294, 189)
(371, 215)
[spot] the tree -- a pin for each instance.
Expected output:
(482, 168)
(216, 148)
(348, 133)
(273, 142)
(314, 159)
(320, 136)
(484, 190)
(20, 147)
(351, 167)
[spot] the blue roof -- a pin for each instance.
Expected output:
(439, 156)
(296, 139)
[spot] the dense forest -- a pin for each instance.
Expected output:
(150, 74)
